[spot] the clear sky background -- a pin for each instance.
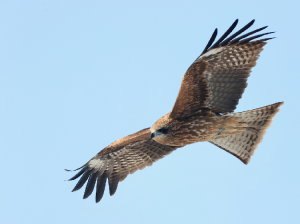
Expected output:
(78, 75)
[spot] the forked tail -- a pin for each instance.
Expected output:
(243, 144)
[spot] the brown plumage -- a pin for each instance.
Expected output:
(209, 93)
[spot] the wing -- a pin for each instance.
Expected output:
(228, 65)
(125, 156)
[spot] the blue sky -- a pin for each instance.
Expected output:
(78, 75)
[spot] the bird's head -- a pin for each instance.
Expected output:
(160, 130)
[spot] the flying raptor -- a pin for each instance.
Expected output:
(209, 92)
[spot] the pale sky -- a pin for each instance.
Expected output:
(78, 75)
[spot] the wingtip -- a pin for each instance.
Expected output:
(280, 103)
(75, 169)
(251, 23)
(98, 198)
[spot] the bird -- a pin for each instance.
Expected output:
(203, 111)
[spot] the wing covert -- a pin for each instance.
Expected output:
(193, 91)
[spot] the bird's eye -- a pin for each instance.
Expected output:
(163, 130)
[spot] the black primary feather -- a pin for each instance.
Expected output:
(82, 180)
(231, 40)
(252, 38)
(78, 174)
(101, 181)
(238, 33)
(90, 185)
(246, 35)
(211, 40)
(230, 29)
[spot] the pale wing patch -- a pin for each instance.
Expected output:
(97, 163)
(212, 52)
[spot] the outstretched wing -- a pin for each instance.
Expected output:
(125, 156)
(225, 78)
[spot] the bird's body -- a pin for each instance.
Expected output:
(196, 128)
(209, 93)
(209, 127)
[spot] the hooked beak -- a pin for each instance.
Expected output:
(152, 135)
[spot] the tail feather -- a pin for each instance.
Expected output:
(243, 144)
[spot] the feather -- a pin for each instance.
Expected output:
(130, 168)
(236, 40)
(227, 33)
(110, 166)
(212, 39)
(124, 170)
(141, 157)
(90, 185)
(78, 174)
(252, 38)
(76, 169)
(146, 158)
(82, 180)
(101, 181)
(103, 167)
(239, 32)
(115, 177)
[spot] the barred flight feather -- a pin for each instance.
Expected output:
(243, 144)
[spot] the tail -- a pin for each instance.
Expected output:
(243, 144)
